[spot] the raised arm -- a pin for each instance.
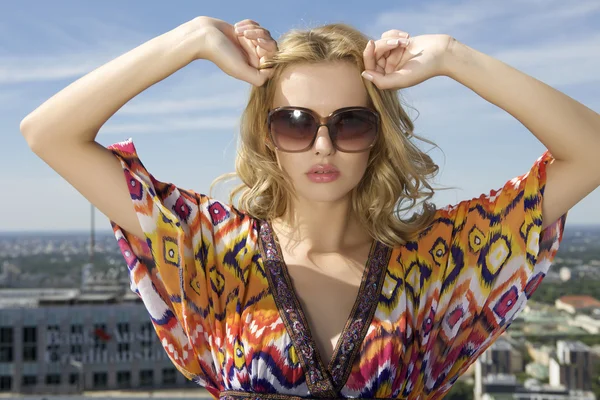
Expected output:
(63, 129)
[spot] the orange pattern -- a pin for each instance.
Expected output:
(202, 274)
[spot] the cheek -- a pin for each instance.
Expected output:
(287, 163)
(358, 166)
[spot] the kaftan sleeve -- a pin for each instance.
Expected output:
(485, 259)
(176, 270)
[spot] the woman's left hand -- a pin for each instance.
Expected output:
(397, 66)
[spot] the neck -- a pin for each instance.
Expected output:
(321, 227)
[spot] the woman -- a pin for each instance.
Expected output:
(313, 286)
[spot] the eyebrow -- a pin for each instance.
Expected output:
(322, 115)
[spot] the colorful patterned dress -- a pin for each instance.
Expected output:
(222, 303)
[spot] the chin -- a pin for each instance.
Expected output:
(323, 192)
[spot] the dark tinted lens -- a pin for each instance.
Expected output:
(355, 129)
(292, 129)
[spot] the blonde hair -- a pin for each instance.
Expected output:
(397, 170)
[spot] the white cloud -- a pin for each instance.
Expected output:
(467, 19)
(177, 105)
(173, 125)
(569, 61)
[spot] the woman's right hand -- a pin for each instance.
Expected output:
(237, 54)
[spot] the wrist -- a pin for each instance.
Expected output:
(188, 39)
(454, 57)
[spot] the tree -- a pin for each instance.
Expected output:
(460, 391)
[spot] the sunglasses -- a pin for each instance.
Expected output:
(351, 129)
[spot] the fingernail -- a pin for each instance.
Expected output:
(367, 76)
(403, 40)
(392, 41)
(261, 40)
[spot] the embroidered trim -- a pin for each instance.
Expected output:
(321, 380)
(317, 378)
(239, 395)
(348, 345)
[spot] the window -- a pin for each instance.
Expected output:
(6, 344)
(146, 347)
(52, 329)
(6, 335)
(146, 328)
(76, 349)
(5, 383)
(73, 379)
(53, 379)
(77, 329)
(29, 353)
(123, 352)
(123, 328)
(169, 376)
(100, 336)
(6, 353)
(53, 352)
(146, 377)
(29, 334)
(29, 380)
(29, 343)
(123, 379)
(100, 379)
(53, 343)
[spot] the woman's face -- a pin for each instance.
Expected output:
(322, 88)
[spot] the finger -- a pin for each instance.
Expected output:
(264, 44)
(250, 50)
(394, 33)
(395, 57)
(264, 75)
(381, 65)
(383, 81)
(242, 28)
(256, 33)
(382, 45)
(267, 45)
(369, 55)
(265, 53)
(261, 52)
(246, 22)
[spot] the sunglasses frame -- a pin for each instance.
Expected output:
(324, 121)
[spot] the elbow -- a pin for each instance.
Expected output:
(25, 126)
(28, 131)
(29, 136)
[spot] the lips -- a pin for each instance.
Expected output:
(322, 169)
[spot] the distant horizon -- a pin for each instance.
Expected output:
(54, 231)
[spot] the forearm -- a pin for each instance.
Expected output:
(570, 130)
(77, 112)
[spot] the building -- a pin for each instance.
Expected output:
(570, 370)
(62, 341)
(577, 304)
(573, 366)
(501, 358)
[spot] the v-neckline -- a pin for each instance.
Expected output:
(323, 380)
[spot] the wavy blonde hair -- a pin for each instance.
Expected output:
(396, 171)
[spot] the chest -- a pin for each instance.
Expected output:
(327, 288)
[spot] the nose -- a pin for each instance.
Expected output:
(323, 143)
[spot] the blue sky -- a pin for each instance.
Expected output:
(185, 126)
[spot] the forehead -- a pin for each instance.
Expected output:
(322, 87)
